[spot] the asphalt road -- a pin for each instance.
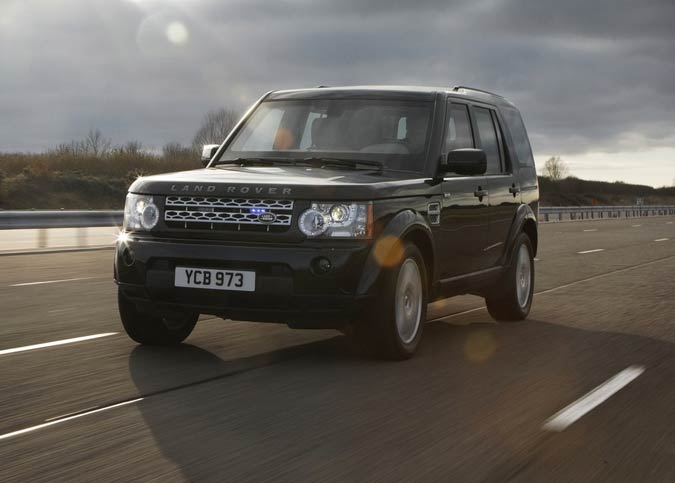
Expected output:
(256, 402)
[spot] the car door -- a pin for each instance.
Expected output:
(503, 186)
(463, 230)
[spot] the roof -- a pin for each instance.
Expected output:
(395, 91)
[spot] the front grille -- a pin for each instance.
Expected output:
(201, 212)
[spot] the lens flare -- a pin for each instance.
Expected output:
(177, 33)
(480, 346)
(388, 251)
(283, 140)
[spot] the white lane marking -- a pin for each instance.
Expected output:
(536, 259)
(565, 417)
(636, 226)
(602, 275)
(560, 287)
(61, 416)
(50, 281)
(63, 420)
(669, 222)
(54, 343)
(458, 314)
(56, 311)
(591, 251)
(661, 239)
(592, 229)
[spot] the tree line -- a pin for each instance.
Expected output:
(215, 126)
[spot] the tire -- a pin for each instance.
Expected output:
(149, 329)
(511, 298)
(392, 328)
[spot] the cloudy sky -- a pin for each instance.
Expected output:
(594, 79)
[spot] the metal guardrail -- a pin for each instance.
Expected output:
(574, 213)
(83, 218)
(59, 219)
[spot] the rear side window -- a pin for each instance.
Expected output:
(458, 128)
(488, 140)
(521, 143)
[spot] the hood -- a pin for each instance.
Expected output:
(285, 182)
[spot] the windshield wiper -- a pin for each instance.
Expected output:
(312, 161)
(351, 163)
(253, 161)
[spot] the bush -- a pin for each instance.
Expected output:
(61, 179)
(573, 191)
(57, 180)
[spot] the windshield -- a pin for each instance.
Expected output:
(391, 132)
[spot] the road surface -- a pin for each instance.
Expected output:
(583, 390)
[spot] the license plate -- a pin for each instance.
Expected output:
(215, 279)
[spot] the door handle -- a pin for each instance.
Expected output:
(480, 193)
(514, 190)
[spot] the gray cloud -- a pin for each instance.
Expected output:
(588, 76)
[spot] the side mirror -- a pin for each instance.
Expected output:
(208, 150)
(466, 161)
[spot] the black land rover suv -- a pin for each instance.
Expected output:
(347, 208)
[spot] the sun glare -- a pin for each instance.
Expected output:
(123, 237)
(177, 33)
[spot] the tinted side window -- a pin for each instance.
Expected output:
(488, 140)
(506, 158)
(521, 143)
(458, 128)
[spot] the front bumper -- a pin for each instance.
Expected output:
(288, 287)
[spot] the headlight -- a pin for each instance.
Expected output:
(140, 213)
(337, 220)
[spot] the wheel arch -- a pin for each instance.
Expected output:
(525, 221)
(422, 240)
(530, 229)
(406, 225)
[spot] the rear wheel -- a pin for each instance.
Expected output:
(511, 298)
(154, 329)
(392, 328)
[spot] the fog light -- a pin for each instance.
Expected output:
(321, 265)
(127, 257)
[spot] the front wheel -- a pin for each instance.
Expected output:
(154, 329)
(392, 328)
(511, 298)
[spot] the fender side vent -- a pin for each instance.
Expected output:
(434, 213)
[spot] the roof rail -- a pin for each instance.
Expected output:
(457, 88)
